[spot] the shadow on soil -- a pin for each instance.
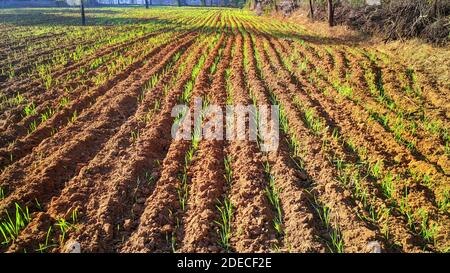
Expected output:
(69, 17)
(109, 17)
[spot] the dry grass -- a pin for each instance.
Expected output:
(340, 34)
(423, 57)
(431, 60)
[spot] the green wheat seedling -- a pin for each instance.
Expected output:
(196, 137)
(383, 120)
(228, 170)
(335, 135)
(295, 148)
(375, 214)
(38, 205)
(273, 194)
(443, 203)
(213, 68)
(96, 63)
(350, 178)
(141, 96)
(205, 102)
(351, 145)
(388, 186)
(16, 100)
(149, 178)
(74, 117)
(156, 106)
(189, 156)
(186, 95)
(229, 88)
(2, 193)
(74, 216)
(64, 227)
(198, 67)
(284, 123)
(135, 191)
(313, 122)
(47, 114)
(46, 245)
(100, 78)
(29, 110)
(427, 231)
(63, 102)
(412, 127)
(225, 209)
(303, 66)
(134, 135)
(176, 57)
(324, 213)
(182, 190)
(410, 145)
(375, 169)
(11, 72)
(32, 127)
(337, 241)
(246, 60)
(48, 81)
(344, 177)
(340, 164)
(152, 82)
(11, 227)
(275, 248)
(360, 192)
(179, 118)
(172, 241)
(77, 54)
(344, 90)
(405, 209)
(447, 149)
(435, 127)
(397, 130)
(256, 118)
(44, 72)
(427, 180)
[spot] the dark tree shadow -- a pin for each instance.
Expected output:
(68, 17)
(104, 16)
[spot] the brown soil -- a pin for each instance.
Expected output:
(107, 164)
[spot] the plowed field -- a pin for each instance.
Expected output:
(86, 152)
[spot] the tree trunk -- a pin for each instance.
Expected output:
(83, 17)
(258, 8)
(330, 13)
(435, 9)
(252, 4)
(146, 4)
(311, 10)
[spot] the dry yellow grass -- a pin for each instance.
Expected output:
(423, 57)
